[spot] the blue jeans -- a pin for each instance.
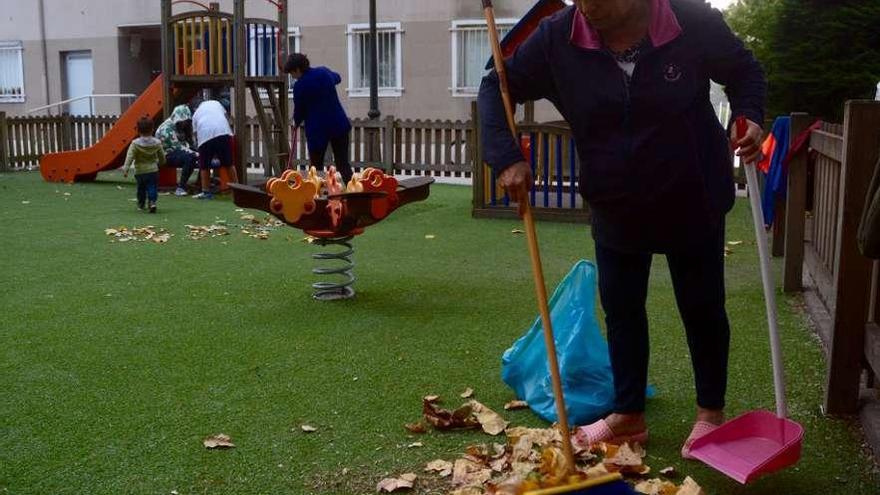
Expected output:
(698, 281)
(147, 187)
(185, 161)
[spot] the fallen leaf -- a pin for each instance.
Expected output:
(239, 210)
(219, 441)
(656, 486)
(625, 456)
(443, 468)
(416, 427)
(431, 398)
(404, 482)
(470, 490)
(444, 419)
(690, 487)
(499, 465)
(516, 404)
(491, 421)
(248, 218)
(517, 231)
(734, 243)
(466, 472)
(25, 202)
(429, 236)
(67, 194)
(415, 445)
(596, 471)
(117, 187)
(468, 393)
(308, 428)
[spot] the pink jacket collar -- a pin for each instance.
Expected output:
(663, 29)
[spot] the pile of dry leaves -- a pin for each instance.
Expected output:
(259, 228)
(142, 234)
(529, 458)
(198, 232)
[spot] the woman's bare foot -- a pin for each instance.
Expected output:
(713, 416)
(626, 424)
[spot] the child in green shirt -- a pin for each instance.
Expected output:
(145, 155)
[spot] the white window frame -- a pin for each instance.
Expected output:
(459, 26)
(19, 47)
(294, 32)
(354, 29)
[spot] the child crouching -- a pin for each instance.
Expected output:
(145, 155)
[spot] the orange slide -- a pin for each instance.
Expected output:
(109, 152)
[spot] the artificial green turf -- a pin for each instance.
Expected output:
(117, 359)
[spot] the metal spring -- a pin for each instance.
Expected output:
(329, 291)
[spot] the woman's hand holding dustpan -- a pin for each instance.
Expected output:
(758, 442)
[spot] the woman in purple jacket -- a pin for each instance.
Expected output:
(631, 77)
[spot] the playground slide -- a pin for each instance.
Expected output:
(109, 152)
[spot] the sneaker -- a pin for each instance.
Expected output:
(152, 207)
(180, 192)
(204, 195)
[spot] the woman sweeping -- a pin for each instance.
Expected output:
(631, 77)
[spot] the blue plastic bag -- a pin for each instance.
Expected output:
(587, 382)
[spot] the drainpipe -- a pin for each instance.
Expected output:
(42, 10)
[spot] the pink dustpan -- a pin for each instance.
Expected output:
(758, 442)
(752, 445)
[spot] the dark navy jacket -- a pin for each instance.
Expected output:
(655, 163)
(315, 101)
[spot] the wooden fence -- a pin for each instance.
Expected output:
(826, 195)
(23, 140)
(442, 148)
(409, 147)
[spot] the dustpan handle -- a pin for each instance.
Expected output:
(769, 286)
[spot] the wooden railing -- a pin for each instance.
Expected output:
(23, 140)
(550, 150)
(824, 202)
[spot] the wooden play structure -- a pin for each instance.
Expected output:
(204, 47)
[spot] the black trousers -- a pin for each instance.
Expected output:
(698, 281)
(340, 146)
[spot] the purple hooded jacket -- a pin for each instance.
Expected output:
(655, 164)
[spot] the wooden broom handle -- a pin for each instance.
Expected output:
(534, 253)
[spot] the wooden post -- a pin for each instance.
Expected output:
(66, 132)
(529, 112)
(796, 209)
(4, 143)
(168, 58)
(861, 141)
(240, 69)
(388, 145)
(284, 93)
(778, 238)
(477, 176)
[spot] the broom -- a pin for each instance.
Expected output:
(611, 484)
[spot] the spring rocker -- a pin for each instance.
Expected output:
(332, 214)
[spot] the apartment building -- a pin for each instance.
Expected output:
(431, 52)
